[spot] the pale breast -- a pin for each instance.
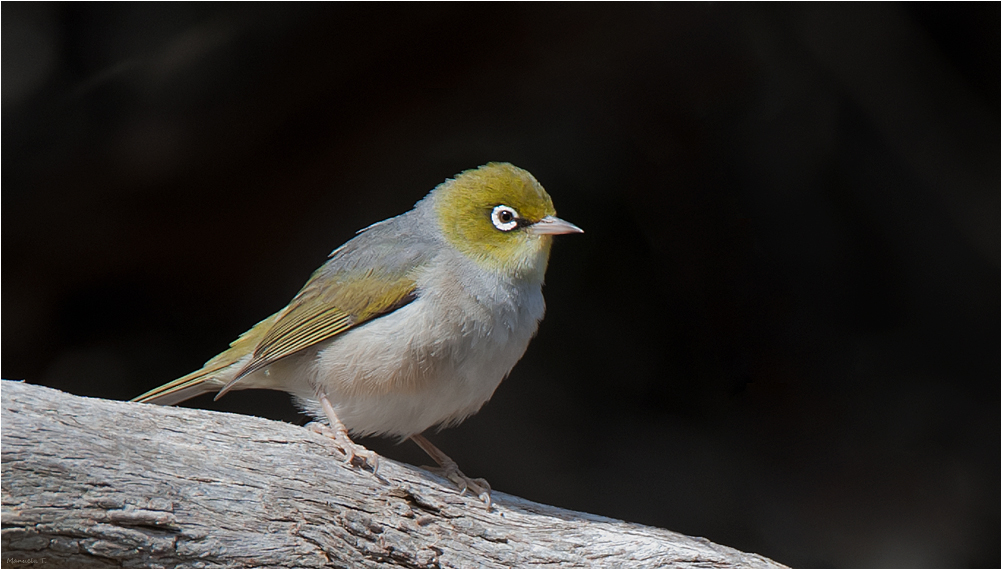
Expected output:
(434, 361)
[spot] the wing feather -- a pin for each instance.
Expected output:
(371, 275)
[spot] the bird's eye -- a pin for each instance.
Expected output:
(505, 218)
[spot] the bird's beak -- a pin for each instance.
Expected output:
(552, 225)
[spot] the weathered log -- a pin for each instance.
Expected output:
(97, 483)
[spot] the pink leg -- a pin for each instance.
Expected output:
(450, 471)
(339, 434)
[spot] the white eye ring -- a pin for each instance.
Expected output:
(505, 218)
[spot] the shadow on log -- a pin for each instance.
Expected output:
(97, 483)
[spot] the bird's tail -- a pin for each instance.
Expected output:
(197, 383)
(216, 373)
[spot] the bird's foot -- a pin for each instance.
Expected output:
(339, 433)
(479, 486)
(351, 450)
(450, 470)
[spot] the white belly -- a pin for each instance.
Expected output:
(425, 364)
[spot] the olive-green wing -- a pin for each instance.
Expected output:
(369, 276)
(328, 306)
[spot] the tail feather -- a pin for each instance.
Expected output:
(197, 383)
(217, 372)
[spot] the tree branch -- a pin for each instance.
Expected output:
(96, 483)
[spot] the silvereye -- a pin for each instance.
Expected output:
(411, 324)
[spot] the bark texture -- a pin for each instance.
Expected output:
(98, 483)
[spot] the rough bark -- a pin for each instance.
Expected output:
(97, 483)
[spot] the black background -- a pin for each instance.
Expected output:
(778, 331)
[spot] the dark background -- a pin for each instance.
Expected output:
(778, 331)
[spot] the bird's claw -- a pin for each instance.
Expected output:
(479, 486)
(349, 448)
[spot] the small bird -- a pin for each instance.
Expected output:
(411, 324)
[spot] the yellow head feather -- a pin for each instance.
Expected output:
(464, 206)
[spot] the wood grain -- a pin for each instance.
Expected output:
(98, 483)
